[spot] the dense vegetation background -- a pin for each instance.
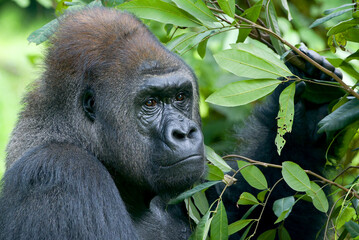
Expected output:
(200, 42)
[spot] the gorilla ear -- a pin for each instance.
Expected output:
(88, 104)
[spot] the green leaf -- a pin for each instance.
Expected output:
(342, 26)
(216, 160)
(340, 118)
(238, 225)
(247, 61)
(243, 92)
(283, 205)
(192, 211)
(201, 202)
(42, 34)
(22, 3)
(228, 7)
(328, 17)
(202, 228)
(352, 228)
(261, 195)
(111, 3)
(285, 115)
(283, 234)
(272, 22)
(202, 47)
(295, 177)
(160, 11)
(251, 14)
(282, 216)
(181, 42)
(214, 173)
(286, 9)
(219, 225)
(329, 11)
(317, 194)
(268, 235)
(247, 199)
(253, 175)
(198, 9)
(192, 191)
(345, 216)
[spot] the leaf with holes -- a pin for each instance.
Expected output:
(285, 115)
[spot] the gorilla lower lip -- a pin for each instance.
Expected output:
(195, 157)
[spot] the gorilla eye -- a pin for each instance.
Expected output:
(151, 102)
(180, 97)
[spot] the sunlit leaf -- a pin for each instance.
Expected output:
(160, 11)
(245, 62)
(286, 8)
(247, 199)
(216, 160)
(219, 225)
(329, 11)
(295, 177)
(342, 26)
(317, 194)
(198, 9)
(243, 92)
(228, 7)
(214, 173)
(261, 195)
(253, 175)
(345, 216)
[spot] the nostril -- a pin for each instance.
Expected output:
(178, 135)
(191, 132)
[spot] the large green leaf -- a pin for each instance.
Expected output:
(243, 92)
(201, 202)
(192, 191)
(253, 175)
(219, 225)
(228, 7)
(160, 11)
(42, 34)
(247, 61)
(295, 177)
(320, 201)
(341, 117)
(214, 158)
(198, 9)
(285, 115)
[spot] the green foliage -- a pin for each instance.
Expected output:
(252, 175)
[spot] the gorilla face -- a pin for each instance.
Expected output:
(164, 110)
(149, 127)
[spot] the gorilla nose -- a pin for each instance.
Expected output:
(182, 135)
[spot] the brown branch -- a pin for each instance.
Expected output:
(352, 191)
(296, 50)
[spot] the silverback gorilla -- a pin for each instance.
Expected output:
(112, 131)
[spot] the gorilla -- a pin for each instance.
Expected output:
(112, 131)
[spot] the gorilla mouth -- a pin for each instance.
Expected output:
(190, 158)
